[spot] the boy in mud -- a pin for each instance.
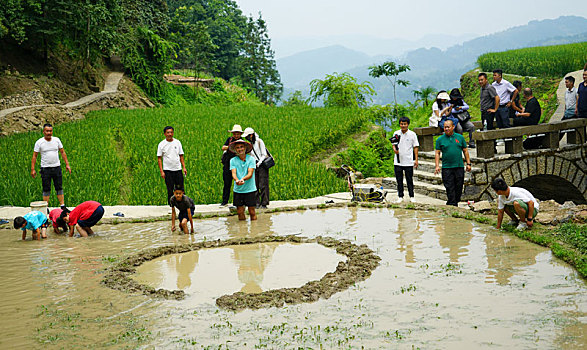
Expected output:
(58, 223)
(35, 221)
(243, 173)
(83, 217)
(515, 200)
(186, 208)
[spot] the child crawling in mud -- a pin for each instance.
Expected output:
(186, 208)
(58, 223)
(35, 221)
(243, 172)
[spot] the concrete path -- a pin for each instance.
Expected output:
(110, 87)
(560, 93)
(153, 212)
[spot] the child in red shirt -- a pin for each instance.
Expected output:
(58, 223)
(83, 217)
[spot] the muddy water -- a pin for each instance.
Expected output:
(207, 274)
(442, 283)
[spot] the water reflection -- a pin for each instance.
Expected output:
(505, 256)
(454, 236)
(252, 259)
(409, 233)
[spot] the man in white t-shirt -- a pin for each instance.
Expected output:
(406, 158)
(49, 147)
(515, 200)
(171, 163)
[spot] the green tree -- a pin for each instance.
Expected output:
(391, 71)
(424, 94)
(341, 90)
(257, 68)
(295, 99)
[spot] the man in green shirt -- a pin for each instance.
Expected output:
(451, 146)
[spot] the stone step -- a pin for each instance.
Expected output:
(431, 190)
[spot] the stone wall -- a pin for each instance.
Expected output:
(29, 98)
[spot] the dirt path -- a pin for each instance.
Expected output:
(110, 87)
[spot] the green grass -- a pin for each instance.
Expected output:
(113, 153)
(542, 61)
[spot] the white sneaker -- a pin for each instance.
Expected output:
(399, 200)
(522, 226)
(411, 200)
(513, 222)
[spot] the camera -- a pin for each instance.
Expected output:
(395, 139)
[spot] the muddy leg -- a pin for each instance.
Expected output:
(510, 214)
(89, 231)
(252, 213)
(241, 213)
(184, 226)
(82, 232)
(44, 232)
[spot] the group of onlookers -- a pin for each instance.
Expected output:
(576, 98)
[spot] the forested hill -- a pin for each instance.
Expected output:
(211, 37)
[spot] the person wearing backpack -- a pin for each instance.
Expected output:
(262, 173)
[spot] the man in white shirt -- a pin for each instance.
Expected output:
(49, 147)
(507, 93)
(405, 145)
(570, 98)
(515, 200)
(171, 162)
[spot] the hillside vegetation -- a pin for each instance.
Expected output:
(546, 61)
(113, 153)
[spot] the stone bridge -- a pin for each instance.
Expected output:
(557, 171)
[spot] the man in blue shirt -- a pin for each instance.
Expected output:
(243, 172)
(35, 221)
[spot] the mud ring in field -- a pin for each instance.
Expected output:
(361, 261)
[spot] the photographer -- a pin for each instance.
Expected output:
(405, 145)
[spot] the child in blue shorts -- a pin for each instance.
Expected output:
(35, 221)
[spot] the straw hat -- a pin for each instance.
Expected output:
(248, 146)
(248, 131)
(443, 96)
(236, 128)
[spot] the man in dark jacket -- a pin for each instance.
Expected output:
(532, 111)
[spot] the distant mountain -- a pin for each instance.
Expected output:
(298, 70)
(437, 67)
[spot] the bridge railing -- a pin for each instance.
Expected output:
(485, 140)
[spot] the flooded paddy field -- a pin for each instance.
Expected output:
(441, 283)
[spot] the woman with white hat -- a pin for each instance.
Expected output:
(441, 110)
(227, 155)
(262, 173)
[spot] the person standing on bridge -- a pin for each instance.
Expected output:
(50, 147)
(506, 92)
(581, 109)
(489, 101)
(452, 145)
(570, 98)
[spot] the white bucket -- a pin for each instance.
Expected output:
(40, 206)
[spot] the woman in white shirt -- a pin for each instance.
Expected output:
(261, 173)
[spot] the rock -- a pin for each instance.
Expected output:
(481, 206)
(546, 218)
(581, 216)
(568, 205)
(549, 205)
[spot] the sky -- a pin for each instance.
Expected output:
(405, 19)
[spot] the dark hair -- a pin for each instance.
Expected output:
(178, 188)
(439, 101)
(252, 138)
(18, 222)
(47, 125)
(571, 79)
(405, 120)
(517, 84)
(527, 92)
(167, 128)
(61, 223)
(482, 75)
(455, 95)
(63, 214)
(499, 185)
(498, 71)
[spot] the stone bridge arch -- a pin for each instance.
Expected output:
(549, 174)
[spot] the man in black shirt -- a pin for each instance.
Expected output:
(532, 111)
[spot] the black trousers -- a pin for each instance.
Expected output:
(503, 117)
(399, 176)
(52, 173)
(489, 118)
(453, 180)
(262, 182)
(172, 178)
(226, 189)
